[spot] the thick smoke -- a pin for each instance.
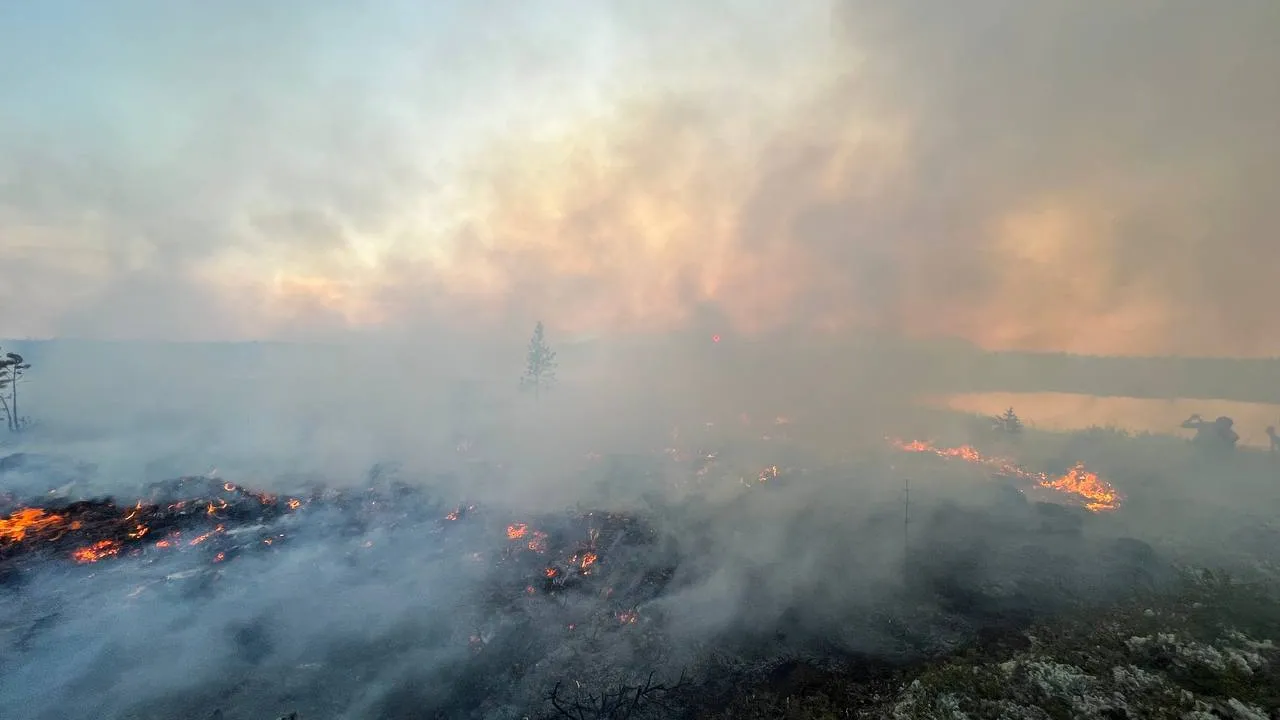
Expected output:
(1050, 177)
(409, 188)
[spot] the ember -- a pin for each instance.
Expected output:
(97, 551)
(1089, 490)
(222, 521)
(572, 576)
(91, 530)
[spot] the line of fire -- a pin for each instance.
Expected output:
(581, 573)
(222, 520)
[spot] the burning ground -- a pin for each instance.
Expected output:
(1078, 484)
(698, 574)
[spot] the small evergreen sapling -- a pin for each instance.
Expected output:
(540, 367)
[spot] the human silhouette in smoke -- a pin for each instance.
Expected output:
(1217, 434)
(1275, 439)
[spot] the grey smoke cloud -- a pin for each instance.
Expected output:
(1049, 176)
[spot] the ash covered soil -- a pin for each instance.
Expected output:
(788, 594)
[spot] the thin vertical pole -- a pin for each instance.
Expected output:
(906, 527)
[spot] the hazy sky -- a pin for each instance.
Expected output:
(1091, 177)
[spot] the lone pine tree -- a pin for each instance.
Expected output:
(540, 367)
(12, 368)
(1009, 422)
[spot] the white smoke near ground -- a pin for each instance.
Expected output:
(404, 191)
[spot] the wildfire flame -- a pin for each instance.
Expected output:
(516, 531)
(1096, 494)
(97, 551)
(28, 520)
(1100, 495)
(201, 538)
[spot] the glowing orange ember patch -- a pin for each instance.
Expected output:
(199, 539)
(454, 515)
(539, 541)
(1094, 493)
(27, 520)
(588, 560)
(517, 531)
(97, 551)
(294, 504)
(228, 487)
(552, 572)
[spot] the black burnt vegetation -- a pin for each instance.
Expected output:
(796, 597)
(615, 703)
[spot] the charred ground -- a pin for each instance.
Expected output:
(401, 600)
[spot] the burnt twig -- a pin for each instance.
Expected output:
(622, 703)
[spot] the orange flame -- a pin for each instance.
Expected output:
(97, 551)
(201, 538)
(1086, 484)
(27, 520)
(1096, 494)
(517, 531)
